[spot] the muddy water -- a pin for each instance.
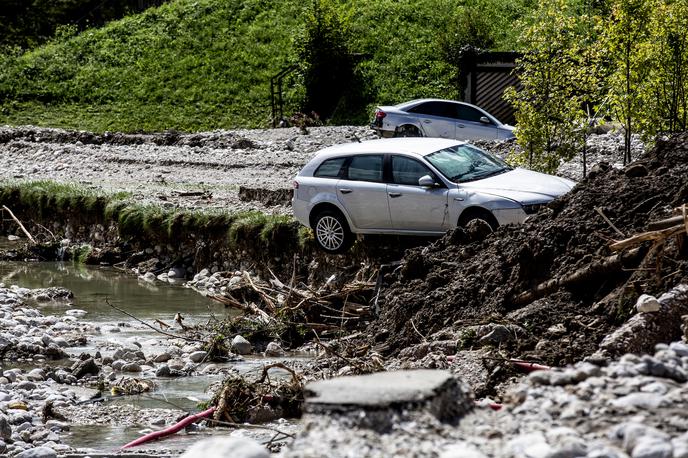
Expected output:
(91, 287)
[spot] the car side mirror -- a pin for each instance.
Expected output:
(485, 120)
(427, 181)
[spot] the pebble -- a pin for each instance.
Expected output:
(241, 346)
(198, 356)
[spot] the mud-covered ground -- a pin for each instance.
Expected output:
(551, 289)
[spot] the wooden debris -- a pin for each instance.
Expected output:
(19, 223)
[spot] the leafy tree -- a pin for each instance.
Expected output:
(326, 62)
(561, 74)
(627, 39)
(666, 108)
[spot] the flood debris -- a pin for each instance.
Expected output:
(262, 400)
(295, 312)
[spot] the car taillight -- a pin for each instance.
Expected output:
(295, 184)
(379, 114)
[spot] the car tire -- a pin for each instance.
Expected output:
(332, 232)
(484, 216)
(407, 131)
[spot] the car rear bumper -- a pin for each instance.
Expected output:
(302, 210)
(382, 133)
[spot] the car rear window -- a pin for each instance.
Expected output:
(366, 168)
(330, 168)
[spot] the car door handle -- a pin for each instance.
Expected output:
(345, 190)
(427, 121)
(459, 199)
(394, 194)
(461, 125)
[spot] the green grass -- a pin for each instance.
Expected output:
(195, 65)
(46, 201)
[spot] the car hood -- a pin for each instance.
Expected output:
(521, 185)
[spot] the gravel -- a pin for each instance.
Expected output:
(205, 170)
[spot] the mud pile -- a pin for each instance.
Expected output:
(478, 291)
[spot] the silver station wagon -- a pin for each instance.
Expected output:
(413, 186)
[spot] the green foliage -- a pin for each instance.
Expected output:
(665, 109)
(325, 58)
(561, 71)
(626, 36)
(81, 253)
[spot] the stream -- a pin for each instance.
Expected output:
(91, 287)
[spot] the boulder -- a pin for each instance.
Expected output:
(221, 447)
(241, 346)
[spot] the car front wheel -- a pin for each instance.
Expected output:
(332, 233)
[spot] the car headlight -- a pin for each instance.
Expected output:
(532, 208)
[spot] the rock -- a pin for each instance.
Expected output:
(461, 450)
(241, 346)
(5, 428)
(497, 335)
(274, 349)
(176, 272)
(636, 170)
(222, 447)
(38, 452)
(198, 356)
(83, 368)
(162, 358)
(647, 303)
(652, 448)
(163, 371)
(639, 401)
(131, 367)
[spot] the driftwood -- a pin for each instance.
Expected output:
(658, 231)
(19, 223)
(607, 265)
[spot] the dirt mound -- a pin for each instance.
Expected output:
(550, 289)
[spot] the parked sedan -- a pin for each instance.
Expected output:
(439, 118)
(421, 186)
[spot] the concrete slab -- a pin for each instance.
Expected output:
(389, 393)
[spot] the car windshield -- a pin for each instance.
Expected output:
(463, 163)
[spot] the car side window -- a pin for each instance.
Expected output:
(443, 109)
(469, 113)
(330, 168)
(408, 171)
(366, 168)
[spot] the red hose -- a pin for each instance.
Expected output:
(529, 367)
(171, 429)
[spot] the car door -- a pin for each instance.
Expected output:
(470, 127)
(363, 192)
(413, 207)
(436, 118)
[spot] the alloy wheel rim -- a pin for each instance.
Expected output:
(330, 232)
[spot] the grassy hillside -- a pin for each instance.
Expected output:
(205, 64)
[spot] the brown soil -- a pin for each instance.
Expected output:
(464, 279)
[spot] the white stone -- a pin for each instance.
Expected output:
(647, 303)
(241, 346)
(220, 447)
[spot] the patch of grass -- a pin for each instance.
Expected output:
(50, 201)
(194, 65)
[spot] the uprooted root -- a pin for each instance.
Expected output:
(243, 401)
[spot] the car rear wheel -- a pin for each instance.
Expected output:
(332, 233)
(407, 131)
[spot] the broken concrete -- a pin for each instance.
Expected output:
(374, 398)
